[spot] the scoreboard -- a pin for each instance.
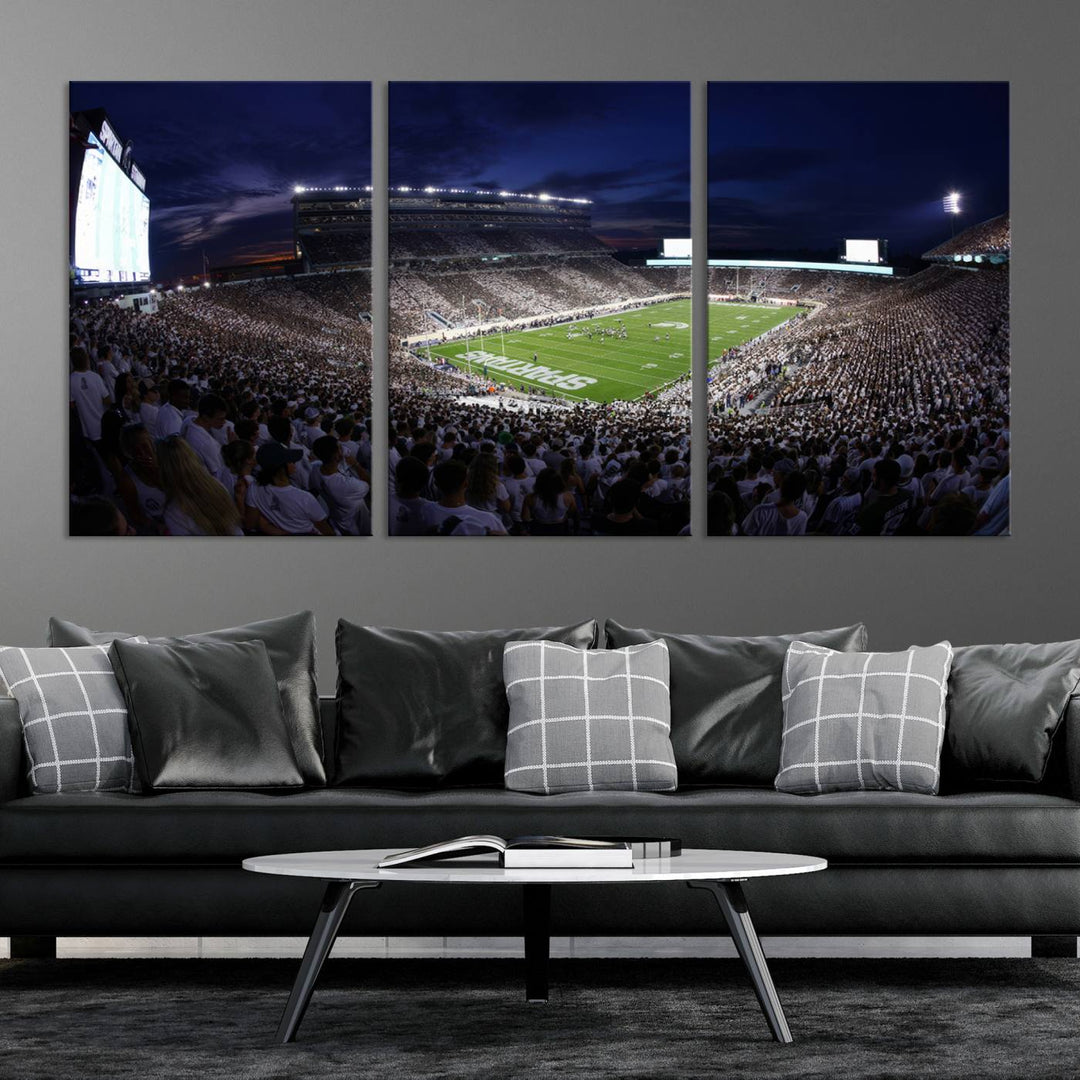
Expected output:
(864, 251)
(112, 219)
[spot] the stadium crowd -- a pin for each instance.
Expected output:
(330, 247)
(992, 237)
(410, 243)
(887, 415)
(244, 409)
(473, 468)
(520, 293)
(825, 286)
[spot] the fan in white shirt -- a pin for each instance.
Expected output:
(88, 394)
(519, 484)
(782, 518)
(200, 434)
(274, 505)
(451, 511)
(196, 503)
(311, 430)
(171, 415)
(345, 495)
(411, 514)
(149, 407)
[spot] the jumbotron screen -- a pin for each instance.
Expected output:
(863, 251)
(112, 222)
(676, 249)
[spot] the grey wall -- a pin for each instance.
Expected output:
(1022, 588)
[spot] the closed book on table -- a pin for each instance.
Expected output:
(646, 847)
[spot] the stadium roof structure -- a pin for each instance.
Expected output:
(543, 196)
(303, 189)
(406, 189)
(785, 264)
(987, 242)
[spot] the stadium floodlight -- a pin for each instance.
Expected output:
(299, 189)
(544, 197)
(951, 202)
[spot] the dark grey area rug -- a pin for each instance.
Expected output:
(211, 1019)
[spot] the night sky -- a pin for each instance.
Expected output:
(626, 146)
(800, 165)
(792, 166)
(221, 159)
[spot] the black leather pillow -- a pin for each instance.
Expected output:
(427, 709)
(205, 715)
(290, 645)
(1005, 704)
(726, 710)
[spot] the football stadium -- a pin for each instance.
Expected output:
(532, 371)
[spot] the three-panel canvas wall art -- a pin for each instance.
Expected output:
(537, 343)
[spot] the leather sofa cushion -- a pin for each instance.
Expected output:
(227, 826)
(726, 709)
(205, 715)
(290, 644)
(1004, 706)
(425, 709)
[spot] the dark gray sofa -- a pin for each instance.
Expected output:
(993, 863)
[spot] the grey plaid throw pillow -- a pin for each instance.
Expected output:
(588, 719)
(863, 721)
(74, 719)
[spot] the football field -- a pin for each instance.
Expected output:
(579, 361)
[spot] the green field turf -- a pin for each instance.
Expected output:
(614, 369)
(732, 324)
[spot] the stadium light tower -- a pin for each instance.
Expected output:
(951, 204)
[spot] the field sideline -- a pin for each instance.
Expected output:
(572, 364)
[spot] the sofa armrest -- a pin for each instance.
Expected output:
(1072, 744)
(11, 750)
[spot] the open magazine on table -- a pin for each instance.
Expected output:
(521, 852)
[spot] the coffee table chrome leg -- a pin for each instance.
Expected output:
(732, 904)
(334, 905)
(537, 911)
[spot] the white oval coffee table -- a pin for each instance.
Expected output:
(721, 872)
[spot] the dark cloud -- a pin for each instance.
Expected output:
(584, 184)
(762, 163)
